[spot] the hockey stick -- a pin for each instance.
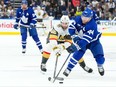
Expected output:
(61, 68)
(27, 26)
(55, 65)
(55, 68)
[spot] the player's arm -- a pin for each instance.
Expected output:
(18, 16)
(87, 37)
(72, 28)
(52, 38)
(32, 17)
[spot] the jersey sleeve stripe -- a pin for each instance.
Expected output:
(86, 39)
(87, 36)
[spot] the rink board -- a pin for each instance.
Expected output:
(108, 28)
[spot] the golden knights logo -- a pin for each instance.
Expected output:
(39, 13)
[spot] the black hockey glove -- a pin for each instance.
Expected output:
(16, 26)
(71, 49)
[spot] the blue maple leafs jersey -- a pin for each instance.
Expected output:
(25, 17)
(95, 16)
(87, 32)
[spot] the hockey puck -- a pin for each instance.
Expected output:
(49, 78)
(60, 82)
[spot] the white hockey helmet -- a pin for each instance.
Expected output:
(64, 19)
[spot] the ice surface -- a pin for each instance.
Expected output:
(23, 70)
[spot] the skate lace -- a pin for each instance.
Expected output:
(43, 66)
(100, 69)
(23, 50)
(67, 71)
(86, 68)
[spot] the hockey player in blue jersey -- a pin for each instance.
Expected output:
(26, 17)
(85, 36)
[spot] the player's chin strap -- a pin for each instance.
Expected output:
(61, 67)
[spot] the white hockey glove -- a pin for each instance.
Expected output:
(57, 51)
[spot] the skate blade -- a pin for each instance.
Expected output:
(42, 72)
(59, 78)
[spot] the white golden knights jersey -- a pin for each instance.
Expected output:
(59, 34)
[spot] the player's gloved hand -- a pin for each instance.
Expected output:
(75, 39)
(32, 26)
(71, 49)
(16, 26)
(57, 51)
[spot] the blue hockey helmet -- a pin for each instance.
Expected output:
(24, 2)
(87, 13)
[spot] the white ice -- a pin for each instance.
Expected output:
(23, 70)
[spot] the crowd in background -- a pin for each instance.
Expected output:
(106, 9)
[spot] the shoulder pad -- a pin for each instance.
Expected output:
(53, 31)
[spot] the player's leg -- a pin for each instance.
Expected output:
(72, 49)
(73, 61)
(33, 33)
(84, 66)
(98, 54)
(23, 31)
(45, 57)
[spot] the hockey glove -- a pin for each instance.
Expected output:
(57, 51)
(16, 26)
(71, 49)
(76, 39)
(32, 26)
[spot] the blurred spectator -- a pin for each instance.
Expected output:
(51, 12)
(63, 8)
(6, 1)
(105, 9)
(94, 2)
(111, 6)
(102, 16)
(57, 11)
(2, 4)
(10, 12)
(78, 12)
(4, 16)
(114, 13)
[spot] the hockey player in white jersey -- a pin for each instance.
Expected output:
(59, 40)
(26, 17)
(40, 16)
(39, 13)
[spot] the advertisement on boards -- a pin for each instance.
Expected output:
(6, 27)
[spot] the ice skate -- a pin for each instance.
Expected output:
(23, 51)
(101, 70)
(43, 68)
(88, 69)
(66, 72)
